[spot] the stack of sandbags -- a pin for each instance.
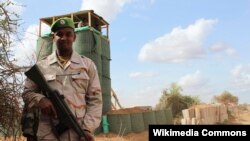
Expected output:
(223, 113)
(189, 116)
(204, 114)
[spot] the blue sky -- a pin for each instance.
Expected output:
(202, 45)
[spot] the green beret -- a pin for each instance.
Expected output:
(61, 23)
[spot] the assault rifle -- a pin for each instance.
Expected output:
(65, 116)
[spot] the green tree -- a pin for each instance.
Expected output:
(173, 99)
(226, 98)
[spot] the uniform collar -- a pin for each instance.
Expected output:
(75, 58)
(52, 58)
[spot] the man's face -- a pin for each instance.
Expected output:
(64, 39)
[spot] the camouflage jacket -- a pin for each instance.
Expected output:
(77, 81)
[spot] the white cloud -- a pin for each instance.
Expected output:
(218, 47)
(193, 81)
(148, 96)
(196, 84)
(142, 74)
(25, 50)
(179, 45)
(152, 1)
(108, 9)
(230, 52)
(241, 77)
(241, 82)
(221, 47)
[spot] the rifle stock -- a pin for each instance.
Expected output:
(66, 118)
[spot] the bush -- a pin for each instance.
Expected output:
(175, 100)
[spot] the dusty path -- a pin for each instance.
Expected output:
(242, 118)
(142, 136)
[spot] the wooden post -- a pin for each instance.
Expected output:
(89, 18)
(40, 28)
(108, 31)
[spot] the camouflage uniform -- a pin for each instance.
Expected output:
(78, 82)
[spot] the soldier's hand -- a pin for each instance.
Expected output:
(47, 107)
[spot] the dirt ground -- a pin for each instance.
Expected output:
(239, 118)
(142, 136)
(242, 117)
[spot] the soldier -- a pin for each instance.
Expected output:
(75, 77)
(82, 23)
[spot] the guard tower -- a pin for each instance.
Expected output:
(80, 18)
(92, 41)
